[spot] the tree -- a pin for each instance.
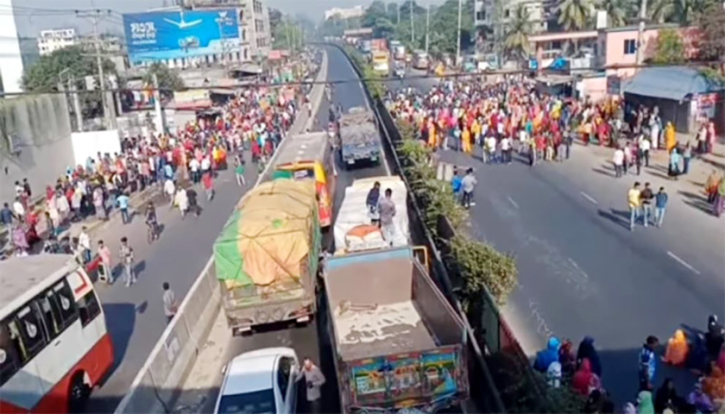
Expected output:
(678, 11)
(575, 14)
(617, 11)
(712, 43)
(670, 49)
(44, 75)
(444, 27)
(376, 10)
(516, 41)
(169, 80)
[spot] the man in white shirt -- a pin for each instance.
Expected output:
(170, 190)
(491, 148)
(506, 150)
(194, 168)
(644, 146)
(19, 209)
(618, 161)
(84, 245)
(205, 164)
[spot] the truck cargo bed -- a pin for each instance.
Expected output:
(382, 330)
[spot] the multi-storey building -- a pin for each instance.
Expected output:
(492, 17)
(55, 39)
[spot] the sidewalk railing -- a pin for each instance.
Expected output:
(159, 382)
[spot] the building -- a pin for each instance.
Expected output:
(212, 32)
(494, 15)
(11, 58)
(357, 11)
(51, 40)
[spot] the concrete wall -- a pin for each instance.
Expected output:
(11, 61)
(39, 127)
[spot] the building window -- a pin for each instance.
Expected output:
(506, 14)
(481, 15)
(630, 46)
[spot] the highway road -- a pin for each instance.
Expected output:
(582, 272)
(135, 315)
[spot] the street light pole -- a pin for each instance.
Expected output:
(412, 24)
(427, 27)
(458, 33)
(640, 32)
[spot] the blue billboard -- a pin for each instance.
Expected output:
(167, 35)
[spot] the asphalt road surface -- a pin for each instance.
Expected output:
(312, 340)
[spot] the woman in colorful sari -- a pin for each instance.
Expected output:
(466, 138)
(670, 138)
(711, 186)
(677, 348)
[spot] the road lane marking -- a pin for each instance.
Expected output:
(684, 263)
(513, 203)
(588, 197)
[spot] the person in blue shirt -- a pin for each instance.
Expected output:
(123, 201)
(648, 363)
(661, 199)
(6, 215)
(547, 356)
(456, 184)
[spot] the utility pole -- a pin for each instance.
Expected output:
(458, 32)
(159, 124)
(222, 21)
(412, 24)
(640, 33)
(76, 102)
(95, 16)
(397, 9)
(427, 27)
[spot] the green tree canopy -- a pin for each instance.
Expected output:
(670, 48)
(712, 43)
(516, 42)
(575, 14)
(169, 80)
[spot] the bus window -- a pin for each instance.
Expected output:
(50, 315)
(28, 324)
(9, 354)
(64, 303)
(89, 308)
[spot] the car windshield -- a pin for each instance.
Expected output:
(258, 402)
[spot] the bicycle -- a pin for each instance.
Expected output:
(152, 231)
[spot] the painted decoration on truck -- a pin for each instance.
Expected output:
(440, 372)
(403, 376)
(368, 378)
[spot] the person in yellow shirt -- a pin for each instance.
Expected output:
(635, 202)
(466, 138)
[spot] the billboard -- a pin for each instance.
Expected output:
(167, 35)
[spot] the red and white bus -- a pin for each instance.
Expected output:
(54, 346)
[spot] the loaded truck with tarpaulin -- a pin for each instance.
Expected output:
(266, 257)
(398, 345)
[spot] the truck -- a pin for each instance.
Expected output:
(353, 230)
(398, 345)
(266, 257)
(358, 137)
(398, 50)
(381, 62)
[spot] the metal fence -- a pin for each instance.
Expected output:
(160, 380)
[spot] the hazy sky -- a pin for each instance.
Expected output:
(30, 22)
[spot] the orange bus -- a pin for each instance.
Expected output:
(54, 344)
(309, 156)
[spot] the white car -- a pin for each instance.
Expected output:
(260, 382)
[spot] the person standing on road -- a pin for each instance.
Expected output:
(182, 201)
(468, 183)
(84, 244)
(191, 196)
(646, 197)
(123, 202)
(387, 210)
(99, 203)
(208, 183)
(686, 157)
(170, 190)
(644, 147)
(105, 254)
(315, 379)
(126, 254)
(634, 200)
(170, 304)
(661, 199)
(7, 216)
(618, 161)
(239, 172)
(647, 363)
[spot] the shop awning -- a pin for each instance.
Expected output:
(676, 83)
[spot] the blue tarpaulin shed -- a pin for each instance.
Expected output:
(676, 83)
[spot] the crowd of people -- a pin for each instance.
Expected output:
(703, 354)
(510, 116)
(255, 120)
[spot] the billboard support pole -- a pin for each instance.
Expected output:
(95, 16)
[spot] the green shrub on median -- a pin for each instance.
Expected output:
(480, 265)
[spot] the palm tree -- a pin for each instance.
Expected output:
(516, 41)
(575, 14)
(617, 11)
(659, 11)
(677, 11)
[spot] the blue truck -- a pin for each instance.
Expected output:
(358, 138)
